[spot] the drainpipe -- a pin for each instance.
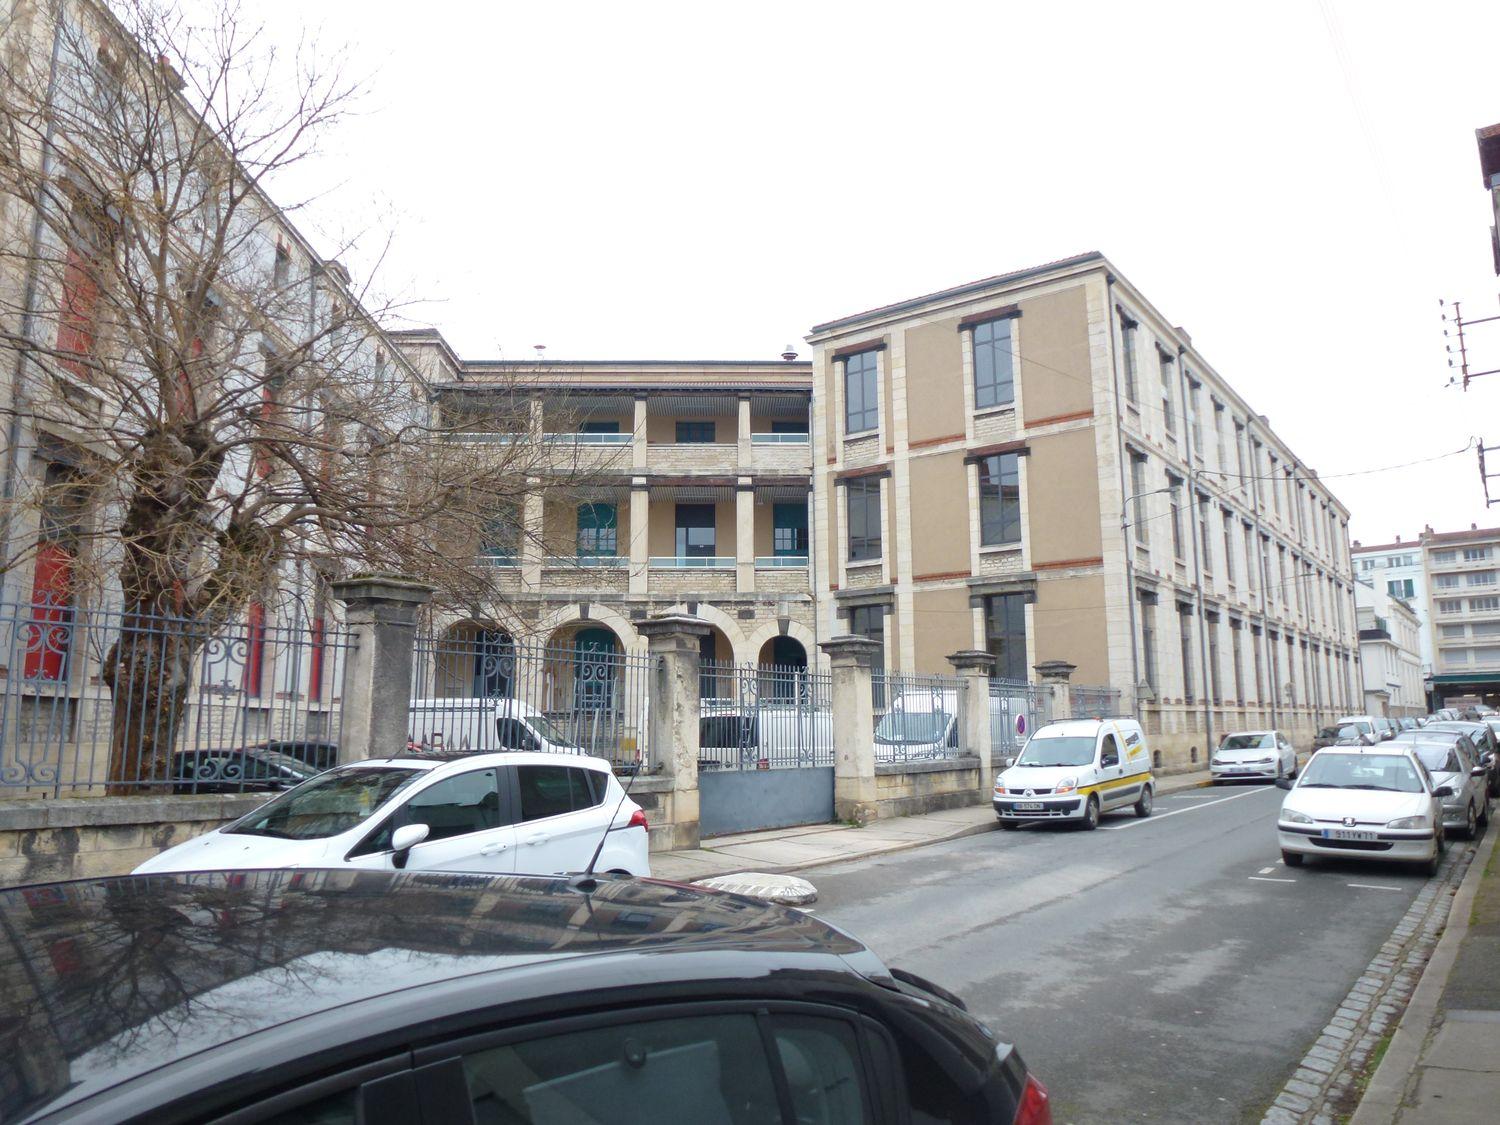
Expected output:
(28, 302)
(1192, 499)
(1135, 670)
(1254, 499)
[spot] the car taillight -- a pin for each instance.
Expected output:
(1036, 1106)
(637, 820)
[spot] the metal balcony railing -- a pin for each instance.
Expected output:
(604, 561)
(780, 439)
(779, 562)
(692, 562)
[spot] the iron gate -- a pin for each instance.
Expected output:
(765, 747)
(1016, 709)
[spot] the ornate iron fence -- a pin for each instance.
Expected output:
(481, 690)
(1016, 709)
(93, 698)
(918, 718)
(1094, 701)
(763, 716)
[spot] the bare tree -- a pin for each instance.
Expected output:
(230, 404)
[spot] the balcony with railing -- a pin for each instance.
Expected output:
(780, 453)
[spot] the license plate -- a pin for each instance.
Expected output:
(1346, 834)
(1029, 806)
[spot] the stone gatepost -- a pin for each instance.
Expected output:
(380, 612)
(855, 797)
(976, 666)
(1055, 674)
(674, 697)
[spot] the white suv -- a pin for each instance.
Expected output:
(540, 814)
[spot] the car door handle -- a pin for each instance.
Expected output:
(490, 849)
(534, 838)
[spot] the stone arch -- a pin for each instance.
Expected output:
(598, 615)
(731, 627)
(468, 658)
(795, 630)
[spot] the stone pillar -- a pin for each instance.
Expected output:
(532, 528)
(976, 667)
(638, 441)
(746, 453)
(855, 797)
(1056, 674)
(674, 640)
(744, 536)
(381, 613)
(640, 536)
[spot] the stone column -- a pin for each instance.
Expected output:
(381, 613)
(640, 536)
(673, 700)
(854, 791)
(532, 535)
(1056, 674)
(976, 667)
(744, 536)
(746, 452)
(638, 441)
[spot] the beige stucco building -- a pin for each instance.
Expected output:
(1463, 584)
(1041, 464)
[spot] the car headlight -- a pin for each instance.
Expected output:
(1292, 816)
(1265, 760)
(1066, 785)
(1408, 822)
(1217, 762)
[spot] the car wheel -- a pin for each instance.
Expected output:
(1143, 806)
(1292, 859)
(1091, 814)
(1484, 814)
(1430, 868)
(1009, 825)
(1471, 825)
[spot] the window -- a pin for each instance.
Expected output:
(1228, 546)
(1175, 496)
(1455, 605)
(1127, 354)
(695, 433)
(861, 392)
(1235, 629)
(1476, 605)
(281, 269)
(1450, 632)
(1213, 662)
(554, 790)
(994, 380)
(598, 531)
(1480, 628)
(696, 531)
(1005, 634)
(1368, 564)
(1138, 497)
(1148, 640)
(1185, 639)
(1445, 581)
(789, 530)
(1208, 547)
(1482, 578)
(705, 1067)
(1168, 410)
(500, 539)
(869, 621)
(863, 505)
(1401, 588)
(1195, 418)
(1444, 556)
(798, 426)
(599, 427)
(455, 806)
(1000, 499)
(1239, 451)
(1476, 554)
(821, 1058)
(1250, 567)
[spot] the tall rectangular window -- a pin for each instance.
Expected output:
(281, 267)
(1005, 634)
(1195, 418)
(1168, 408)
(869, 621)
(994, 380)
(862, 503)
(1185, 643)
(695, 433)
(1235, 631)
(1148, 640)
(1250, 564)
(1000, 499)
(1175, 496)
(1228, 545)
(500, 538)
(1127, 356)
(1401, 588)
(789, 530)
(598, 530)
(1204, 534)
(1223, 458)
(1138, 498)
(1260, 668)
(695, 531)
(1213, 662)
(861, 392)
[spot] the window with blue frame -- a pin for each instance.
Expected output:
(861, 392)
(598, 531)
(994, 376)
(789, 534)
(500, 540)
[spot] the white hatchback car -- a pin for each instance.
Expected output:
(1376, 802)
(540, 814)
(1262, 755)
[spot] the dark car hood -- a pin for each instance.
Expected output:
(104, 979)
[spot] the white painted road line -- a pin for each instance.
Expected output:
(1372, 887)
(1263, 879)
(1268, 870)
(1176, 812)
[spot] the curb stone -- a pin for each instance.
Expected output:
(1338, 1058)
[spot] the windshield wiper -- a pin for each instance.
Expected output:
(262, 832)
(1382, 788)
(1319, 785)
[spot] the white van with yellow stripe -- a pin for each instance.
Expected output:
(1077, 770)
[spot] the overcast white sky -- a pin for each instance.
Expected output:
(654, 180)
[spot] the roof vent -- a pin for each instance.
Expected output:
(788, 353)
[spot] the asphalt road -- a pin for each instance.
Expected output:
(1168, 969)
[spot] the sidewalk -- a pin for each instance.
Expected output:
(792, 849)
(1443, 1064)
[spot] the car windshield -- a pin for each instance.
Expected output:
(1392, 773)
(1058, 750)
(296, 765)
(330, 803)
(549, 730)
(1437, 757)
(1248, 742)
(898, 727)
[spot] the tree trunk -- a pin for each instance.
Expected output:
(148, 672)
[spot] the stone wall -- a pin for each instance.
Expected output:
(910, 788)
(87, 837)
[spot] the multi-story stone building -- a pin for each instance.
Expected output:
(1389, 656)
(1398, 569)
(1488, 139)
(688, 491)
(1463, 577)
(1041, 464)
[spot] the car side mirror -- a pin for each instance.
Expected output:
(1443, 791)
(1479, 771)
(1009, 762)
(1109, 760)
(1283, 783)
(404, 839)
